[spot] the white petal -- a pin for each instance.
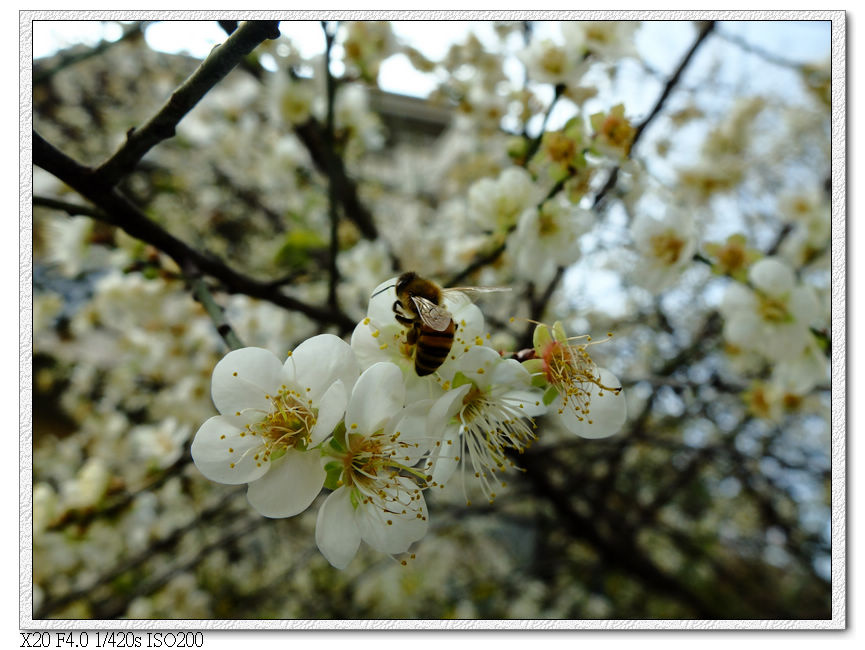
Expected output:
(607, 410)
(772, 276)
(411, 427)
(378, 395)
(511, 373)
(242, 379)
(478, 365)
(380, 309)
(394, 531)
(319, 361)
(291, 485)
(469, 320)
(336, 534)
(369, 349)
(330, 411)
(446, 461)
(445, 408)
(218, 445)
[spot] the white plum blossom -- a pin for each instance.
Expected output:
(489, 411)
(773, 318)
(606, 40)
(585, 398)
(378, 499)
(549, 237)
(549, 62)
(497, 204)
(666, 245)
(272, 415)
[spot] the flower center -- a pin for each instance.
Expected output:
(289, 423)
(773, 310)
(667, 247)
(571, 370)
(553, 60)
(375, 467)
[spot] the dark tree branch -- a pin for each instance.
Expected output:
(326, 160)
(162, 126)
(120, 212)
(71, 209)
(333, 271)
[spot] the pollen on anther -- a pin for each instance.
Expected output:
(234, 374)
(231, 450)
(222, 437)
(237, 413)
(231, 465)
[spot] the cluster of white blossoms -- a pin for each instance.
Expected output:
(358, 419)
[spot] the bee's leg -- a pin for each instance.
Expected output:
(411, 336)
(402, 320)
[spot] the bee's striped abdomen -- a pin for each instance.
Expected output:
(432, 348)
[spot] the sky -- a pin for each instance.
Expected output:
(659, 43)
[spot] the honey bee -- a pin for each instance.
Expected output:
(420, 307)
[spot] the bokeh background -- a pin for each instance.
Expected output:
(678, 155)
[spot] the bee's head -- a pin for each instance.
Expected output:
(404, 280)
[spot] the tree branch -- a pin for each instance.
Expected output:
(120, 212)
(162, 125)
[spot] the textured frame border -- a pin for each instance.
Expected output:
(839, 328)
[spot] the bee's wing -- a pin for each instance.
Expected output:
(432, 314)
(463, 294)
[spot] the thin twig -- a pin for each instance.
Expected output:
(217, 315)
(162, 126)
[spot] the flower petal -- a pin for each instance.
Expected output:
(393, 531)
(331, 408)
(336, 534)
(478, 364)
(370, 348)
(223, 455)
(378, 395)
(242, 379)
(446, 460)
(291, 485)
(380, 308)
(318, 362)
(607, 410)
